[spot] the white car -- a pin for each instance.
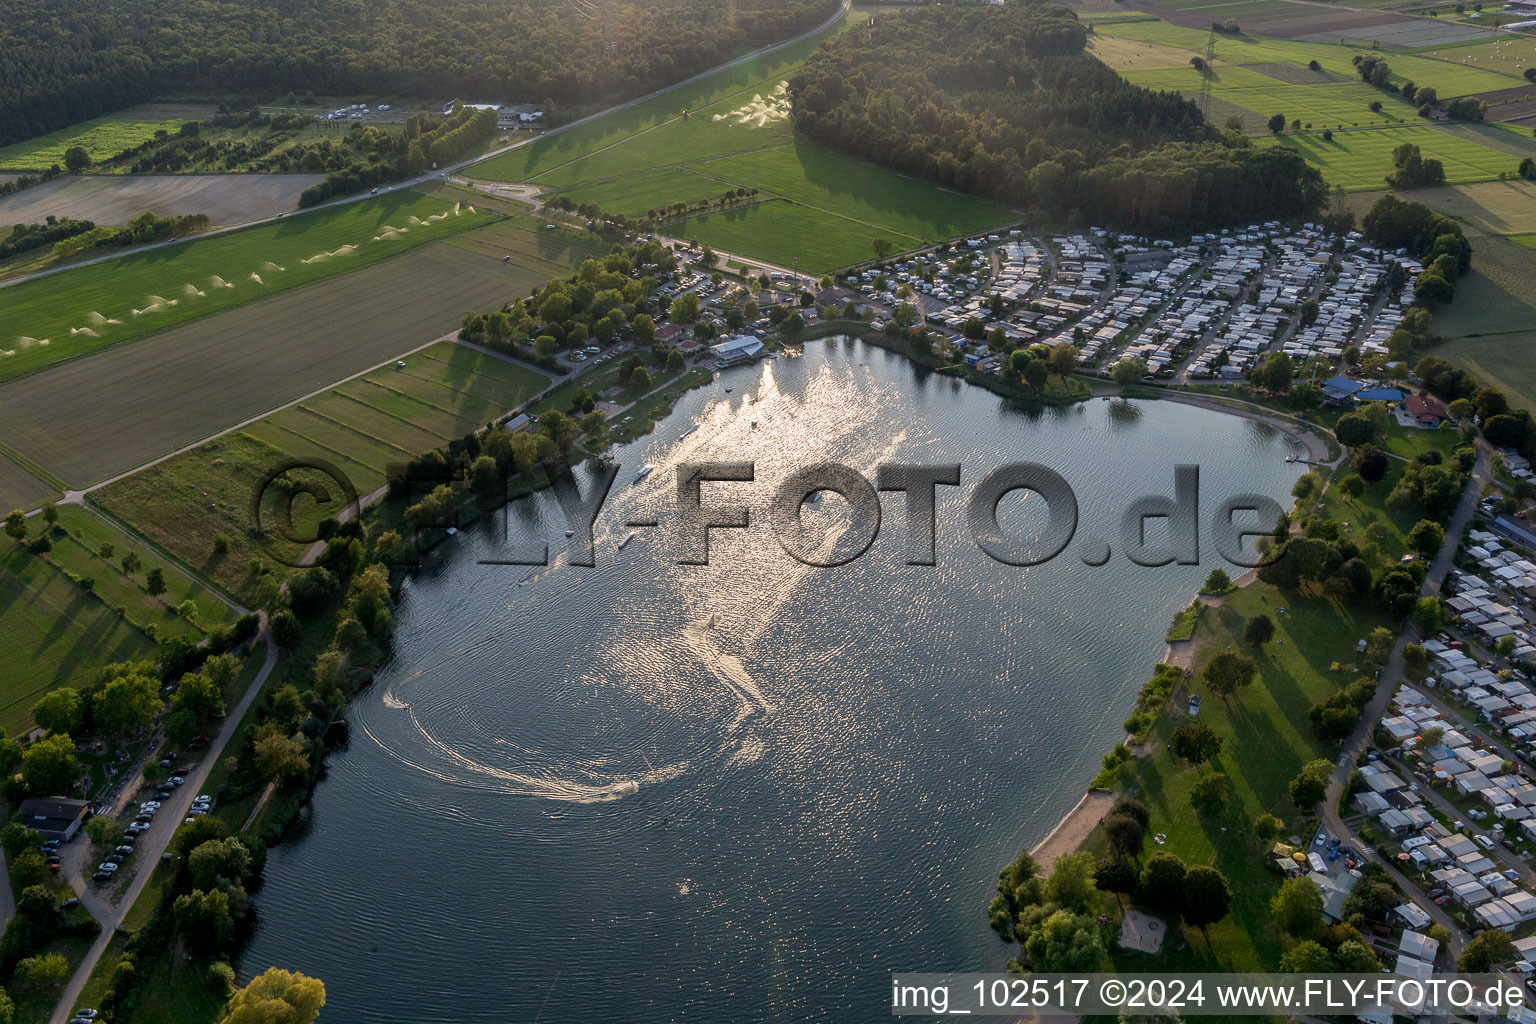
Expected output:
(1483, 841)
(106, 866)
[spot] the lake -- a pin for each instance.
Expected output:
(746, 791)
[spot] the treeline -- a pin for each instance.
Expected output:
(1003, 101)
(35, 236)
(143, 229)
(1434, 239)
(28, 180)
(375, 157)
(71, 60)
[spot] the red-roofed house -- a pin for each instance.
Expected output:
(1430, 412)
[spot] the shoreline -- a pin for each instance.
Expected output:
(1074, 827)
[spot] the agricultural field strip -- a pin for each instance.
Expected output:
(102, 137)
(63, 419)
(41, 320)
(1448, 77)
(1360, 159)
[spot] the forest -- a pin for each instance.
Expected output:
(70, 60)
(1003, 102)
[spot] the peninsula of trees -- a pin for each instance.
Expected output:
(1004, 102)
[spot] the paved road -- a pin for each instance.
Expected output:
(444, 173)
(1392, 676)
(154, 842)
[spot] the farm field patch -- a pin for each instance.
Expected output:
(634, 195)
(545, 154)
(104, 137)
(1133, 55)
(1361, 160)
(814, 177)
(782, 232)
(1407, 33)
(1497, 207)
(1448, 78)
(186, 502)
(56, 633)
(1509, 54)
(116, 199)
(21, 489)
(85, 309)
(1491, 325)
(1334, 105)
(190, 382)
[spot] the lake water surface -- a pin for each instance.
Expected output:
(748, 791)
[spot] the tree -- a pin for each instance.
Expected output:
(1352, 486)
(1195, 742)
(1209, 794)
(1128, 372)
(1277, 372)
(1426, 538)
(882, 248)
(59, 710)
(1125, 834)
(1036, 373)
(1266, 827)
(1063, 358)
(1311, 783)
(154, 582)
(129, 702)
(199, 696)
(1218, 582)
(1228, 672)
(1371, 464)
(1277, 124)
(219, 860)
(1259, 631)
(1297, 909)
(1306, 958)
(276, 997)
(1487, 951)
(1378, 646)
(1065, 943)
(1207, 897)
(1354, 430)
(1070, 884)
(43, 971)
(675, 362)
(1426, 615)
(204, 917)
(1116, 875)
(49, 766)
(280, 758)
(76, 159)
(1162, 880)
(1355, 957)
(103, 831)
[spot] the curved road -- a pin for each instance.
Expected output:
(1391, 677)
(156, 841)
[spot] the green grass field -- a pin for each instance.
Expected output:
(1449, 78)
(361, 428)
(1361, 160)
(736, 132)
(56, 634)
(102, 138)
(1339, 104)
(1267, 740)
(60, 633)
(1509, 54)
(83, 310)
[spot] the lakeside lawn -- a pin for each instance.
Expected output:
(85, 309)
(1267, 739)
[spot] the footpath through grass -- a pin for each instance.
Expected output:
(83, 310)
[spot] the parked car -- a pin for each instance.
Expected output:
(123, 850)
(106, 866)
(101, 876)
(1483, 841)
